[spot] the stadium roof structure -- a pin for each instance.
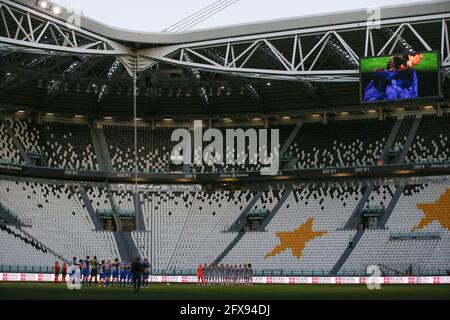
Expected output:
(59, 61)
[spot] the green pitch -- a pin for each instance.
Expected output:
(194, 292)
(429, 63)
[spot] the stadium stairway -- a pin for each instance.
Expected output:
(140, 223)
(275, 209)
(120, 241)
(16, 142)
(130, 246)
(359, 233)
(390, 208)
(238, 226)
(409, 141)
(334, 271)
(239, 223)
(125, 245)
(228, 248)
(97, 149)
(391, 139)
(7, 215)
(351, 223)
(103, 147)
(115, 213)
(291, 138)
(88, 205)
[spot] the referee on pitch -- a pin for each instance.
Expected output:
(136, 269)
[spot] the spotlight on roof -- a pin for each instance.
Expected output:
(256, 119)
(400, 109)
(49, 114)
(372, 111)
(56, 10)
(138, 119)
(286, 118)
(268, 84)
(43, 4)
(78, 116)
(21, 111)
(227, 120)
(167, 120)
(344, 114)
(428, 107)
(108, 118)
(315, 115)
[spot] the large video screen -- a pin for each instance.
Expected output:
(400, 77)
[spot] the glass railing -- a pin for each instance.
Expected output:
(107, 213)
(292, 167)
(14, 163)
(410, 234)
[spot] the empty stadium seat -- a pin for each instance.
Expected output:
(8, 151)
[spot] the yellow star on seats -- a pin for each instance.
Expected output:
(296, 240)
(437, 211)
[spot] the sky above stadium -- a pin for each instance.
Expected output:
(157, 15)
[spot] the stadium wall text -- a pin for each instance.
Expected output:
(126, 177)
(43, 277)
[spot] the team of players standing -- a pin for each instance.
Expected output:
(225, 274)
(122, 273)
(109, 272)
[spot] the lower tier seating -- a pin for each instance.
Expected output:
(308, 234)
(58, 218)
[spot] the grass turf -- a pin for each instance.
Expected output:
(25, 291)
(429, 63)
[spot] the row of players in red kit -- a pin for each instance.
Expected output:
(225, 274)
(63, 272)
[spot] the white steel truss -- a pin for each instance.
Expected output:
(303, 64)
(25, 29)
(299, 55)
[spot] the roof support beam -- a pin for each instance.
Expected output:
(36, 31)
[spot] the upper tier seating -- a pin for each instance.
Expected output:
(154, 148)
(432, 142)
(8, 151)
(402, 134)
(28, 134)
(284, 132)
(340, 143)
(343, 143)
(69, 146)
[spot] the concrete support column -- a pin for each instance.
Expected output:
(324, 118)
(380, 114)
